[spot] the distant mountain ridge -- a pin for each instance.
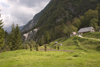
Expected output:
(21, 27)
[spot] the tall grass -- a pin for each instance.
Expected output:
(75, 57)
(27, 58)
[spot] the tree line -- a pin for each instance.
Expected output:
(10, 41)
(13, 39)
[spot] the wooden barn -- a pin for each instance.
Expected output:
(85, 30)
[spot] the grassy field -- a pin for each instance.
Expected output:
(92, 35)
(69, 44)
(26, 58)
(81, 54)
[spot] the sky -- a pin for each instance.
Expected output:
(19, 11)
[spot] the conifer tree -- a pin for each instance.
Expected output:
(6, 41)
(9, 41)
(18, 38)
(1, 35)
(15, 39)
(47, 37)
(12, 38)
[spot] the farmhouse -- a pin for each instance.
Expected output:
(73, 34)
(85, 30)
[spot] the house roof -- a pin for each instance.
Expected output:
(86, 29)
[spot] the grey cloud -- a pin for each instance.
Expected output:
(29, 3)
(32, 3)
(22, 11)
(21, 17)
(24, 16)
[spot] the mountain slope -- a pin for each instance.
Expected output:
(58, 17)
(86, 44)
(31, 23)
(34, 21)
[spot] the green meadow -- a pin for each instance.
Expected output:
(74, 52)
(26, 58)
(92, 35)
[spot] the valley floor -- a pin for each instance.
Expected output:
(26, 58)
(74, 52)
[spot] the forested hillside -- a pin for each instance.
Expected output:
(65, 16)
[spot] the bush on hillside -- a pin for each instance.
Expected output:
(98, 48)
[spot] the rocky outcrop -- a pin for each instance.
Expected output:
(30, 35)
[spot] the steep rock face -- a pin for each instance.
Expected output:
(30, 35)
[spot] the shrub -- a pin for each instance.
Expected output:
(76, 55)
(4, 49)
(27, 47)
(21, 46)
(98, 48)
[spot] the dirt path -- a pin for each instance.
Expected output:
(89, 38)
(57, 50)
